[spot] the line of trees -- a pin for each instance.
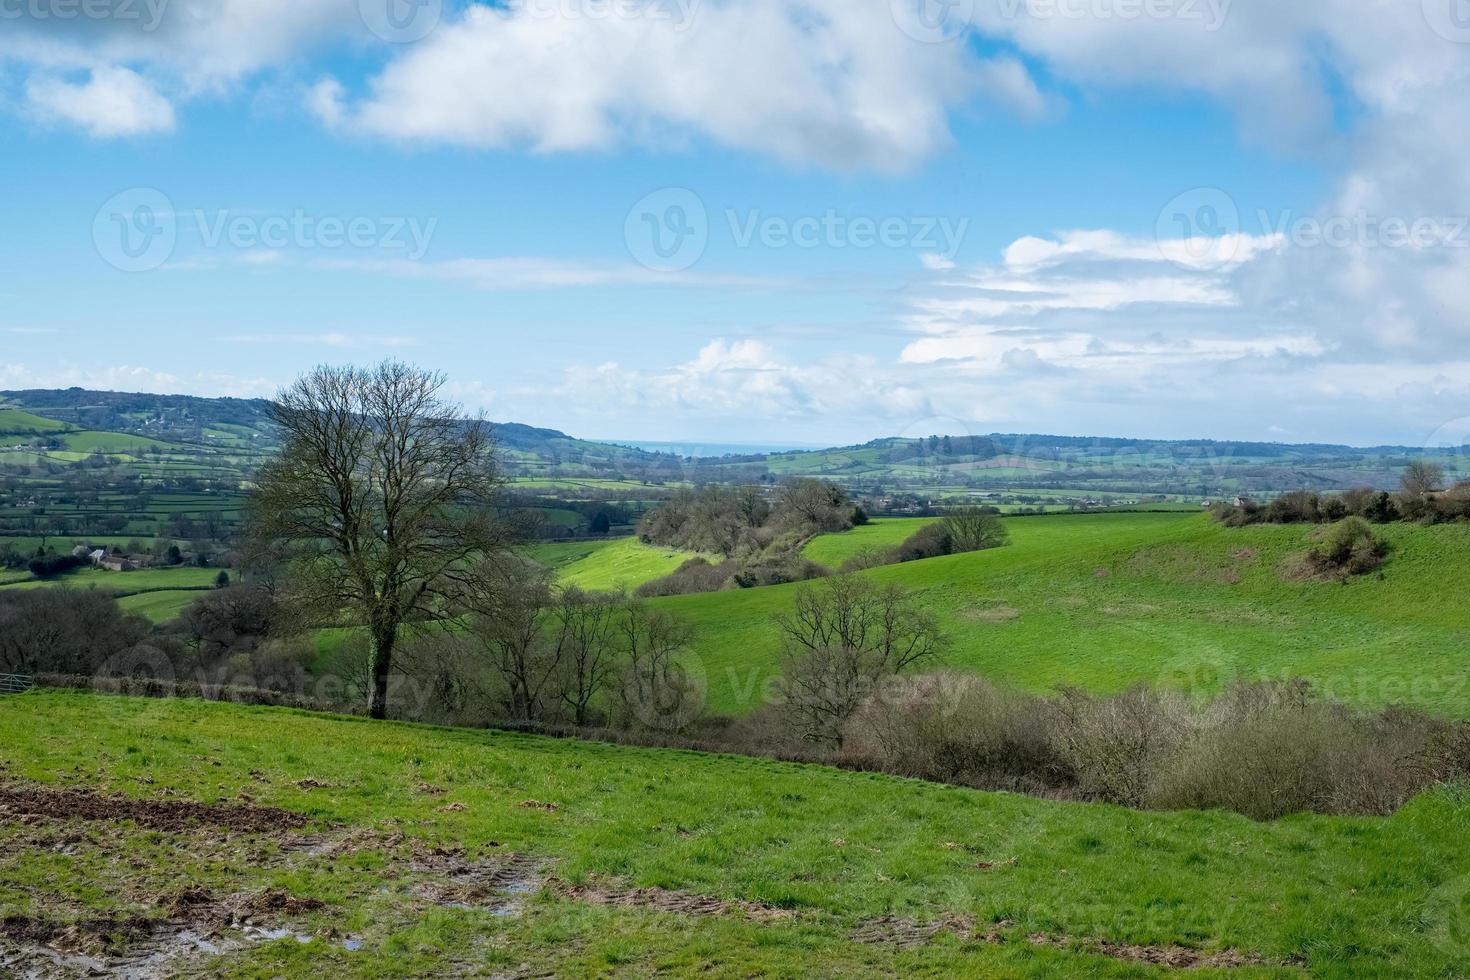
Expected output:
(1425, 495)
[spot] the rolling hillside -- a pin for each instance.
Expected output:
(1109, 600)
(396, 850)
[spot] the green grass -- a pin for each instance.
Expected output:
(112, 442)
(1108, 600)
(158, 607)
(144, 579)
(1334, 897)
(601, 566)
(15, 422)
(879, 534)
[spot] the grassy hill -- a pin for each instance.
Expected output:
(879, 535)
(421, 851)
(13, 421)
(1108, 600)
(603, 566)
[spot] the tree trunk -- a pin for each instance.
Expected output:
(380, 662)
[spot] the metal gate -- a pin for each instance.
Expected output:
(15, 684)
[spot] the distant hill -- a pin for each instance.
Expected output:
(1027, 469)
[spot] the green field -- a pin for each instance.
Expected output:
(158, 607)
(879, 534)
(820, 872)
(15, 422)
(603, 566)
(120, 583)
(1108, 600)
(111, 442)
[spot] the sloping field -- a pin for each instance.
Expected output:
(373, 849)
(879, 534)
(1105, 601)
(14, 421)
(602, 566)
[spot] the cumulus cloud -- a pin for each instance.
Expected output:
(746, 380)
(823, 82)
(111, 102)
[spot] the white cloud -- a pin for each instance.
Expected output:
(112, 102)
(124, 377)
(533, 272)
(823, 82)
(333, 339)
(744, 380)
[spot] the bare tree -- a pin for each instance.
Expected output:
(381, 501)
(657, 691)
(814, 504)
(508, 618)
(842, 640)
(586, 635)
(1422, 478)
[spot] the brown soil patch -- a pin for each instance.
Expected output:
(66, 804)
(1174, 957)
(663, 900)
(79, 936)
(497, 884)
(901, 932)
(199, 907)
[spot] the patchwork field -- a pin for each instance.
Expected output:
(301, 844)
(159, 594)
(1109, 600)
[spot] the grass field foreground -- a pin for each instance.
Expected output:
(746, 867)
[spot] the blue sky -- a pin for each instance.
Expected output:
(1086, 219)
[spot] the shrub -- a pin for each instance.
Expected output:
(50, 566)
(694, 576)
(1349, 548)
(63, 631)
(929, 541)
(957, 728)
(1264, 749)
